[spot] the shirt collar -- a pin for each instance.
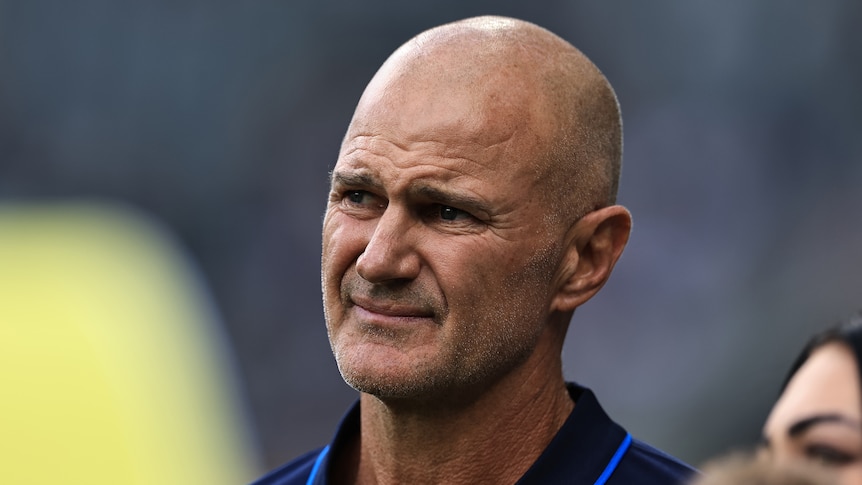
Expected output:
(578, 453)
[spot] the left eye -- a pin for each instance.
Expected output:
(450, 213)
(828, 455)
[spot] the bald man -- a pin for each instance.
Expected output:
(471, 211)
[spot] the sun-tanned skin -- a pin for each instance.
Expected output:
(471, 212)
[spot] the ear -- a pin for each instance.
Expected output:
(595, 243)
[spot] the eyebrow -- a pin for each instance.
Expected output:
(805, 424)
(355, 180)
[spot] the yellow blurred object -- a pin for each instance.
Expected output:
(113, 367)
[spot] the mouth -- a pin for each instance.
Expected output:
(372, 309)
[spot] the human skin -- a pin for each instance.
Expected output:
(448, 278)
(743, 468)
(818, 417)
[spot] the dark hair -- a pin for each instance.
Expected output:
(848, 331)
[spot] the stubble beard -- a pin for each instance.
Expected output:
(480, 350)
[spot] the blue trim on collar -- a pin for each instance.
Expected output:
(615, 460)
(316, 467)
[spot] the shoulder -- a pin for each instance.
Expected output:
(643, 464)
(296, 471)
(621, 459)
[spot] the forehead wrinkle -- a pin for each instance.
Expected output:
(429, 185)
(358, 153)
(453, 148)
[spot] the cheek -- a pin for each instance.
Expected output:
(850, 475)
(343, 242)
(482, 282)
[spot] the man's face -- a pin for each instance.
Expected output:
(438, 261)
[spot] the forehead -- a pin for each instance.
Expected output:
(457, 120)
(828, 382)
(435, 141)
(442, 157)
(440, 94)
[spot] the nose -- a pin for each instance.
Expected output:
(390, 253)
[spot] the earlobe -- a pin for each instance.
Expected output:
(595, 244)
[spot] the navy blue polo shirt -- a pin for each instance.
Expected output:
(589, 449)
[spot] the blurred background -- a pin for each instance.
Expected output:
(204, 133)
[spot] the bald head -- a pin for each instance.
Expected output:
(512, 79)
(474, 189)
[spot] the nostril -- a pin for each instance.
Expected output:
(362, 266)
(387, 260)
(375, 263)
(390, 251)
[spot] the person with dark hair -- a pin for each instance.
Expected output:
(818, 416)
(471, 211)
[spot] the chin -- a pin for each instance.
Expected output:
(386, 370)
(415, 386)
(388, 382)
(384, 389)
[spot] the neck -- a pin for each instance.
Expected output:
(492, 439)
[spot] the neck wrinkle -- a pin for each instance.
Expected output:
(494, 439)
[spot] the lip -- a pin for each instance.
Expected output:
(389, 310)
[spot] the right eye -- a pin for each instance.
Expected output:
(361, 203)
